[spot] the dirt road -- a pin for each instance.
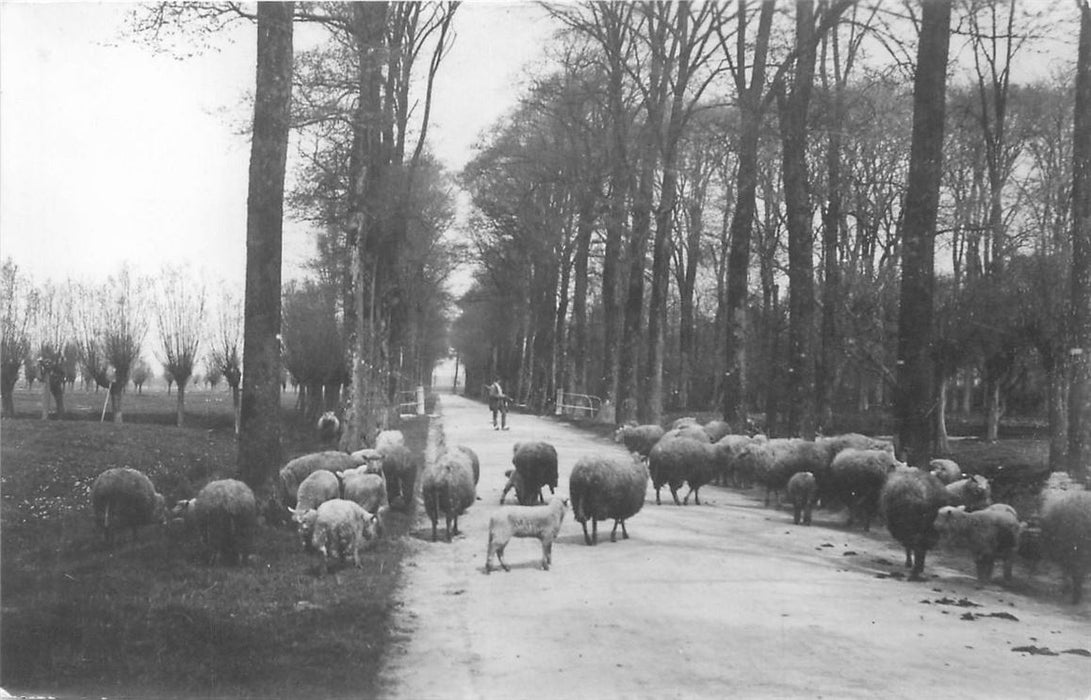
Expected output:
(726, 599)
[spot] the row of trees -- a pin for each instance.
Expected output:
(55, 332)
(712, 207)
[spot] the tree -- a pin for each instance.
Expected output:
(259, 430)
(122, 327)
(225, 353)
(52, 331)
(915, 373)
(1079, 411)
(17, 299)
(179, 314)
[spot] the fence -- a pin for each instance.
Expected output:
(577, 405)
(411, 403)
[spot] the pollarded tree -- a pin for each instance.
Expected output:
(17, 298)
(52, 332)
(139, 375)
(179, 315)
(124, 325)
(226, 351)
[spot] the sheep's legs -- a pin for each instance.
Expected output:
(613, 533)
(500, 557)
(918, 564)
(674, 494)
(547, 554)
(586, 537)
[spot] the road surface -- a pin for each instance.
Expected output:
(725, 599)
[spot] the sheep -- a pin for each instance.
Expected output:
(639, 438)
(989, 534)
(448, 486)
(525, 521)
(692, 431)
(856, 478)
(316, 489)
(474, 461)
(328, 428)
(125, 498)
(685, 421)
(910, 500)
(973, 492)
(226, 515)
(389, 438)
(607, 488)
(785, 457)
(1066, 536)
(536, 463)
(365, 488)
(675, 460)
(371, 459)
(945, 470)
(802, 492)
(515, 481)
(716, 429)
(340, 527)
(400, 471)
(298, 469)
(725, 458)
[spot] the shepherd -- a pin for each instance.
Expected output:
(498, 403)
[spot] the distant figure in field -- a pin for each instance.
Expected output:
(498, 403)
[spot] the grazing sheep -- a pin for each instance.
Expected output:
(1066, 536)
(675, 460)
(989, 534)
(856, 479)
(909, 501)
(328, 428)
(725, 460)
(802, 492)
(448, 487)
(525, 521)
(716, 429)
(607, 488)
(973, 492)
(536, 463)
(400, 471)
(474, 461)
(226, 514)
(389, 438)
(365, 488)
(639, 438)
(125, 498)
(295, 471)
(341, 527)
(945, 470)
(316, 489)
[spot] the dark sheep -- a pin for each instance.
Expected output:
(536, 463)
(226, 514)
(125, 498)
(909, 501)
(328, 428)
(400, 472)
(298, 469)
(474, 461)
(677, 460)
(1066, 536)
(716, 429)
(607, 488)
(448, 487)
(728, 465)
(857, 478)
(639, 438)
(802, 492)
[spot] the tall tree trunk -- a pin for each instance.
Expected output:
(585, 225)
(913, 401)
(628, 407)
(831, 233)
(687, 330)
(657, 304)
(742, 222)
(801, 306)
(259, 430)
(1079, 398)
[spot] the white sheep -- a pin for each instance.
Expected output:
(365, 488)
(989, 534)
(802, 493)
(946, 470)
(125, 498)
(341, 527)
(316, 489)
(639, 438)
(974, 492)
(389, 438)
(525, 521)
(298, 469)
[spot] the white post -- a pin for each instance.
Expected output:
(420, 400)
(560, 401)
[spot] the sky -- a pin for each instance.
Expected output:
(112, 153)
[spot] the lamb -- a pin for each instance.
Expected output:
(802, 492)
(716, 429)
(607, 488)
(1066, 536)
(945, 470)
(400, 471)
(125, 498)
(298, 469)
(226, 515)
(639, 438)
(328, 428)
(341, 527)
(675, 460)
(448, 486)
(525, 521)
(909, 501)
(973, 492)
(989, 534)
(316, 489)
(536, 463)
(857, 478)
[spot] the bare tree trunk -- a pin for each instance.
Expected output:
(915, 327)
(259, 429)
(634, 304)
(181, 409)
(579, 341)
(1079, 399)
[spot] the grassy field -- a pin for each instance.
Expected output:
(150, 618)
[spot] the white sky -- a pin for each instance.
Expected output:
(111, 153)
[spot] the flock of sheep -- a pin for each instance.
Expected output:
(340, 501)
